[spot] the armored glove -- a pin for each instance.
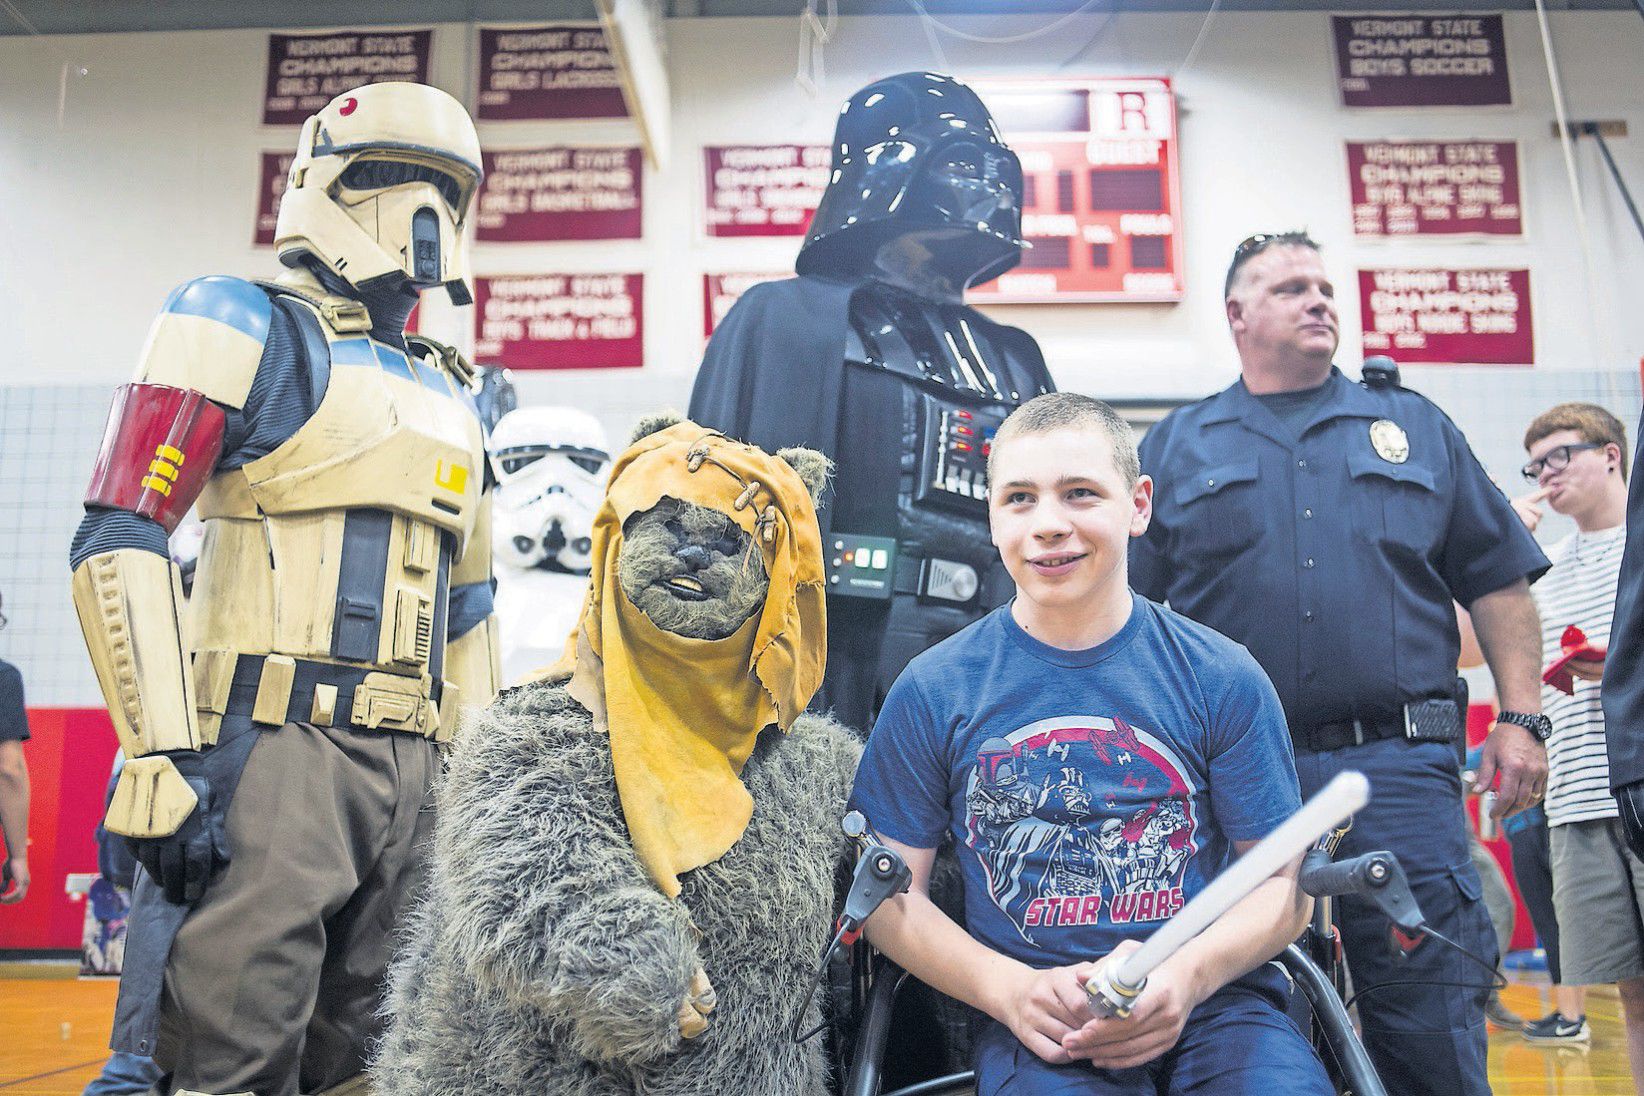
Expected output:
(1630, 798)
(184, 862)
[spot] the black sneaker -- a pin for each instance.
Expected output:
(1555, 1030)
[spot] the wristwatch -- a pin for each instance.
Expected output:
(1537, 724)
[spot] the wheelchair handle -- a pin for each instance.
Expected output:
(880, 873)
(1375, 876)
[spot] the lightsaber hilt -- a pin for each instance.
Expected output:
(1108, 995)
(1114, 988)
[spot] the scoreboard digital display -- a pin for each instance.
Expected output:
(1101, 201)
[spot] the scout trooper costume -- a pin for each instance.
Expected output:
(551, 465)
(282, 731)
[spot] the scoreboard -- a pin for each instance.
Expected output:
(1101, 201)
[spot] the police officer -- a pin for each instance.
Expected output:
(1327, 525)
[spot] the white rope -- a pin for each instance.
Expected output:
(1193, 51)
(1594, 286)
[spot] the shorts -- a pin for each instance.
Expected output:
(1597, 884)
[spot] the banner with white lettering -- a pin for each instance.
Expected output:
(721, 291)
(1435, 188)
(272, 174)
(560, 70)
(560, 321)
(1448, 317)
(307, 71)
(544, 194)
(1101, 200)
(764, 190)
(1421, 61)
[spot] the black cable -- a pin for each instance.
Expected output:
(816, 980)
(1498, 980)
(1591, 129)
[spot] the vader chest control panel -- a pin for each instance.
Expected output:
(953, 455)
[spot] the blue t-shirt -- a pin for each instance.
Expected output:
(1091, 793)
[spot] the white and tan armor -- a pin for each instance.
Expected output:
(342, 545)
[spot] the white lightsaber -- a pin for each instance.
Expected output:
(1114, 988)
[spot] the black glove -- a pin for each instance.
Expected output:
(184, 862)
(1630, 798)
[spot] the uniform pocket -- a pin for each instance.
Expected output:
(1395, 504)
(1217, 509)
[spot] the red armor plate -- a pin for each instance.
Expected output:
(160, 447)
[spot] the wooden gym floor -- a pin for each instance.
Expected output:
(54, 1030)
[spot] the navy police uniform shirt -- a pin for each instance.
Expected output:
(1330, 546)
(1623, 693)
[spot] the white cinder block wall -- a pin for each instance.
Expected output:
(118, 184)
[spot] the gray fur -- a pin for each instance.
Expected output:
(542, 960)
(675, 540)
(813, 467)
(652, 423)
(545, 962)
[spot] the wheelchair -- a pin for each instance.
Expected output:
(1313, 965)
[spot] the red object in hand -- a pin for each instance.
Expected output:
(1575, 648)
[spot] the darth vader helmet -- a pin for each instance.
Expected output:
(921, 183)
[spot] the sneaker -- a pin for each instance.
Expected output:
(1500, 1015)
(1555, 1030)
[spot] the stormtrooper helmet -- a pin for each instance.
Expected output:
(551, 467)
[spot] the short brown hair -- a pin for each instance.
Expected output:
(1069, 410)
(1595, 425)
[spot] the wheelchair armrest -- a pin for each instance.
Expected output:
(1331, 1016)
(868, 1053)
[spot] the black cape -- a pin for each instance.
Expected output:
(774, 372)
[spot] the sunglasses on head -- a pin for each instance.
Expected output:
(1252, 245)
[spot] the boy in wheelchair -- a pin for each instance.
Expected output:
(1098, 760)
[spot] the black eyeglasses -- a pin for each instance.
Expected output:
(1556, 459)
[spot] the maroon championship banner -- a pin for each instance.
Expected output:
(307, 71)
(544, 194)
(1421, 61)
(721, 291)
(764, 190)
(561, 70)
(1101, 201)
(271, 180)
(1435, 188)
(1448, 317)
(560, 321)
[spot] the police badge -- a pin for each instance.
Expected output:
(1390, 441)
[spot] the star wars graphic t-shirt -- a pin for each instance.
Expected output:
(1091, 793)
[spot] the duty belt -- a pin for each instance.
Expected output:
(1437, 720)
(277, 689)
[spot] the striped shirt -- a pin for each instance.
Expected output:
(1579, 590)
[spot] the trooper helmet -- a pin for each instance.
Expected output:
(382, 182)
(918, 155)
(552, 463)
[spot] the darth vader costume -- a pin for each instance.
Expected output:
(871, 356)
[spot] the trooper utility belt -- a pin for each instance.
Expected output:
(276, 689)
(1434, 720)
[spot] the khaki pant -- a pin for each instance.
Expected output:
(274, 981)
